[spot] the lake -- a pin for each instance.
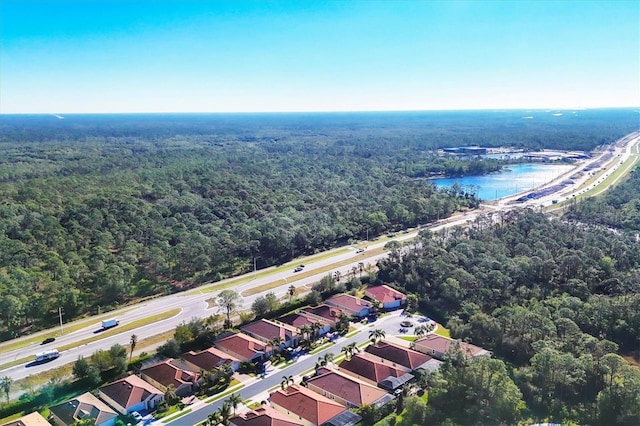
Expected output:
(515, 179)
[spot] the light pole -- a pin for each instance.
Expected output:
(60, 314)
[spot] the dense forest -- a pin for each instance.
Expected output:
(556, 302)
(97, 210)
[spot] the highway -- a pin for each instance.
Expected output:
(193, 303)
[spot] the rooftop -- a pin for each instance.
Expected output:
(442, 344)
(167, 373)
(81, 407)
(307, 404)
(208, 359)
(262, 416)
(384, 294)
(129, 391)
(241, 344)
(268, 330)
(372, 367)
(347, 387)
(401, 355)
(350, 303)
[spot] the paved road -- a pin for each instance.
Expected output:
(390, 324)
(193, 304)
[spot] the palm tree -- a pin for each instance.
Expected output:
(420, 331)
(305, 330)
(326, 359)
(224, 413)
(132, 344)
(291, 292)
(361, 268)
(315, 328)
(376, 335)
(337, 275)
(5, 383)
(170, 395)
(276, 342)
(350, 350)
(286, 382)
(234, 400)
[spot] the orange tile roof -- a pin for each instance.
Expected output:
(350, 303)
(442, 344)
(307, 404)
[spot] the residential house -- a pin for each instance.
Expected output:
(244, 348)
(131, 394)
(346, 389)
(302, 318)
(171, 372)
(351, 305)
(306, 407)
(404, 356)
(436, 346)
(262, 416)
(209, 359)
(31, 419)
(326, 312)
(388, 297)
(266, 331)
(372, 368)
(83, 407)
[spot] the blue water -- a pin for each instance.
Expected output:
(516, 179)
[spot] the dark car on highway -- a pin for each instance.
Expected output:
(48, 340)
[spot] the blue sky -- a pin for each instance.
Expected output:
(237, 56)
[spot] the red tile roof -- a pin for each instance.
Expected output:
(442, 344)
(346, 386)
(349, 303)
(263, 416)
(268, 330)
(371, 367)
(242, 345)
(307, 404)
(384, 294)
(209, 359)
(299, 319)
(401, 355)
(166, 373)
(129, 391)
(327, 312)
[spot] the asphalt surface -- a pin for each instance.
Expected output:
(194, 305)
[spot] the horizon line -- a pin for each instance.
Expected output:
(544, 109)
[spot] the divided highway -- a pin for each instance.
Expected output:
(193, 304)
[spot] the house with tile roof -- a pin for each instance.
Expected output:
(436, 346)
(404, 356)
(351, 305)
(171, 372)
(302, 318)
(326, 312)
(264, 415)
(388, 297)
(131, 394)
(31, 419)
(305, 406)
(372, 368)
(243, 347)
(345, 388)
(266, 330)
(83, 407)
(208, 359)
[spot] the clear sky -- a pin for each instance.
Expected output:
(216, 56)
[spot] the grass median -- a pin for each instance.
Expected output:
(107, 333)
(312, 272)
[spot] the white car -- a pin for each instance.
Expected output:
(136, 416)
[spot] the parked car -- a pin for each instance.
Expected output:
(136, 416)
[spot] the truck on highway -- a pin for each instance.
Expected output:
(111, 322)
(47, 355)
